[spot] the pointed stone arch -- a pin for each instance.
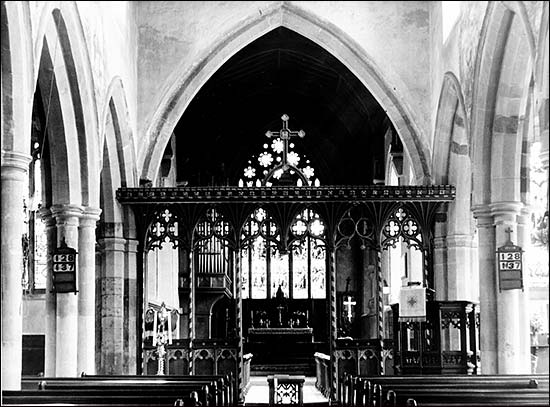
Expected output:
(118, 162)
(16, 82)
(452, 165)
(500, 111)
(61, 30)
(17, 77)
(495, 110)
(186, 85)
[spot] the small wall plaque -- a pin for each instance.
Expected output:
(64, 269)
(510, 266)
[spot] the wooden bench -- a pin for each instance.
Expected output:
(101, 397)
(208, 390)
(226, 385)
(434, 390)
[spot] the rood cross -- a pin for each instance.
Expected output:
(285, 134)
(348, 303)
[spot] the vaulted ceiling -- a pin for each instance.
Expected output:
(282, 72)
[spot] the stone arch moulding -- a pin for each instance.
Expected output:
(185, 86)
(118, 149)
(451, 102)
(17, 77)
(542, 87)
(490, 56)
(61, 21)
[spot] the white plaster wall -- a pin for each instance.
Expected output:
(172, 36)
(34, 310)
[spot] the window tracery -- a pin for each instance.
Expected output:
(299, 273)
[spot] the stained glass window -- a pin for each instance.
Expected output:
(318, 269)
(300, 270)
(245, 271)
(279, 272)
(258, 270)
(300, 273)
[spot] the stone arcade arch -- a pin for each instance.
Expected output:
(504, 70)
(16, 113)
(187, 84)
(118, 331)
(61, 70)
(452, 165)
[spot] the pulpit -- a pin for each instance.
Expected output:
(446, 342)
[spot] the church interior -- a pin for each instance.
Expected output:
(275, 202)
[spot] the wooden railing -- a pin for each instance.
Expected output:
(394, 391)
(322, 373)
(247, 359)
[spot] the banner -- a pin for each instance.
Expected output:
(412, 304)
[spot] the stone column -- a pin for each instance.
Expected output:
(487, 290)
(523, 239)
(50, 328)
(459, 285)
(67, 219)
(511, 304)
(86, 288)
(131, 310)
(112, 306)
(14, 174)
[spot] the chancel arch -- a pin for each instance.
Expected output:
(186, 85)
(278, 187)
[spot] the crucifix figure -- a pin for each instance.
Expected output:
(285, 134)
(348, 304)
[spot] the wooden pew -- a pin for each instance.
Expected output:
(226, 385)
(210, 390)
(459, 390)
(100, 397)
(469, 397)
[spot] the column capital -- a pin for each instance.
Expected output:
(506, 211)
(482, 213)
(66, 210)
(15, 165)
(66, 214)
(47, 216)
(89, 216)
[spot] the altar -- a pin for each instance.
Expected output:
(292, 334)
(281, 345)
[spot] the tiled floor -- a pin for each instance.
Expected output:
(259, 391)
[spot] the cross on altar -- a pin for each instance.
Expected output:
(348, 303)
(285, 134)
